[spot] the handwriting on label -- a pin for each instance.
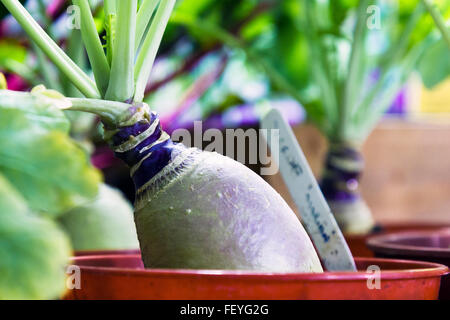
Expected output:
(298, 171)
(293, 163)
(316, 216)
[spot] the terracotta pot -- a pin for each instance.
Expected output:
(358, 243)
(431, 245)
(123, 277)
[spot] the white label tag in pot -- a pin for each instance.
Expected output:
(304, 189)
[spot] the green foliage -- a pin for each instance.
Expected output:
(324, 54)
(225, 13)
(327, 51)
(34, 252)
(11, 50)
(110, 23)
(290, 56)
(437, 54)
(38, 157)
(14, 59)
(40, 109)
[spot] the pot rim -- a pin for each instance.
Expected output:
(413, 269)
(384, 243)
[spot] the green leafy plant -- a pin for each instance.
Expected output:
(43, 173)
(330, 43)
(38, 156)
(34, 251)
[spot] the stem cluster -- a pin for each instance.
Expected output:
(134, 28)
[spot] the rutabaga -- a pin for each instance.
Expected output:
(202, 210)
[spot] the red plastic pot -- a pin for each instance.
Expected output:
(123, 277)
(358, 243)
(431, 245)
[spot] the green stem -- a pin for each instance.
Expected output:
(121, 83)
(45, 67)
(76, 53)
(94, 48)
(150, 47)
(438, 19)
(355, 67)
(46, 19)
(51, 49)
(46, 70)
(393, 57)
(110, 18)
(109, 111)
(143, 18)
(110, 7)
(319, 66)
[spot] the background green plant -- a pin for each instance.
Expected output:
(322, 54)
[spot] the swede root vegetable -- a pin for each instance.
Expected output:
(202, 210)
(340, 185)
(106, 223)
(193, 209)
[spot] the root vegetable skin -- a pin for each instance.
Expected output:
(218, 214)
(201, 210)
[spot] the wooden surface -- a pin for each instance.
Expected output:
(407, 174)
